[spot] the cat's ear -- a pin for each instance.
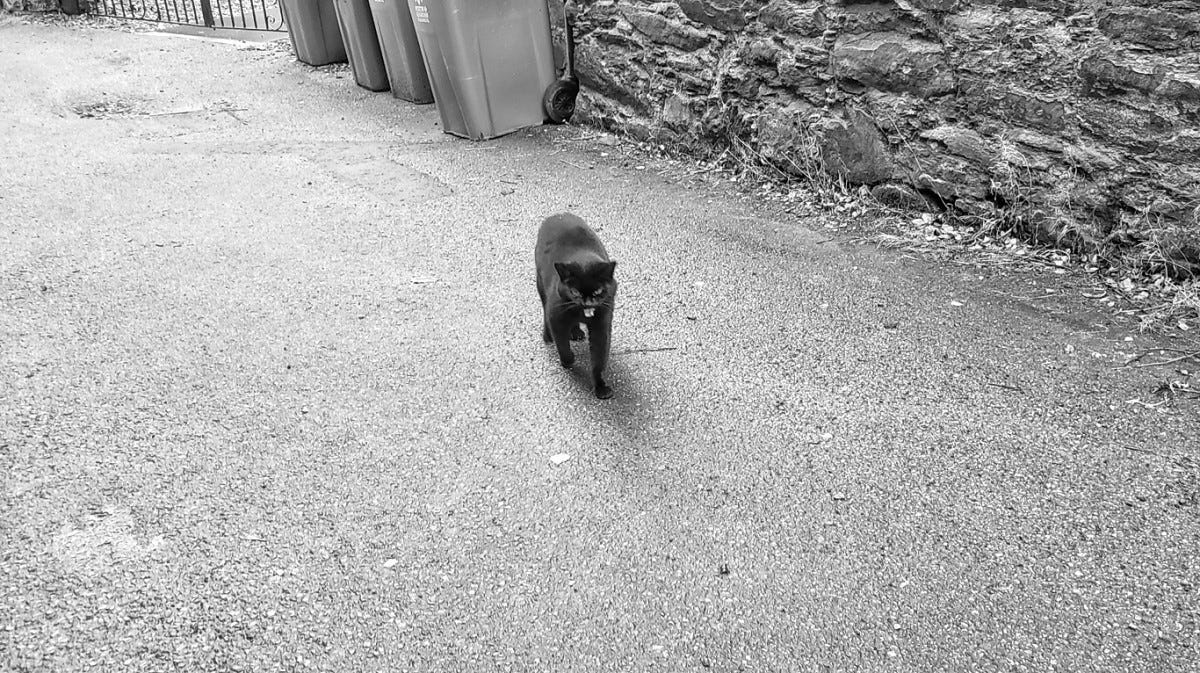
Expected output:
(565, 271)
(606, 270)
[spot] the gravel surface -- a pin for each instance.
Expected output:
(273, 397)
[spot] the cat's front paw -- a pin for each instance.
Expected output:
(567, 361)
(603, 391)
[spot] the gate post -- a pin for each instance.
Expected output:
(206, 10)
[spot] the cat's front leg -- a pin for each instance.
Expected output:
(559, 326)
(599, 340)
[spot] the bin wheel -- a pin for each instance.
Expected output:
(559, 100)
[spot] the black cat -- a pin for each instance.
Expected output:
(575, 282)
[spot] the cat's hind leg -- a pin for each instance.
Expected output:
(546, 336)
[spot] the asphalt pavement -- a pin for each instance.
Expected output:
(273, 397)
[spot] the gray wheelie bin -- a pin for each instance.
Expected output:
(362, 45)
(401, 53)
(313, 27)
(489, 61)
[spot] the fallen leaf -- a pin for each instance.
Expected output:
(390, 563)
(559, 459)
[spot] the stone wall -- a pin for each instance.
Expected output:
(1077, 120)
(29, 5)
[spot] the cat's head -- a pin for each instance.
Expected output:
(588, 285)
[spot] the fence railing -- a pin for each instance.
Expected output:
(244, 14)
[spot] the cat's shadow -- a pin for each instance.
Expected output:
(627, 407)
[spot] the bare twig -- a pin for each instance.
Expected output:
(648, 350)
(1148, 405)
(175, 112)
(1186, 356)
(1137, 357)
(1022, 297)
(1005, 386)
(571, 163)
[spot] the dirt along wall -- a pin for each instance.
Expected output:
(1077, 122)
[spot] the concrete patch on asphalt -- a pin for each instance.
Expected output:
(94, 105)
(101, 539)
(389, 181)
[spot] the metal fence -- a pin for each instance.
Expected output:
(244, 14)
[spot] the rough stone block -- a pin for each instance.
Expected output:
(850, 148)
(1182, 87)
(596, 75)
(665, 26)
(1035, 140)
(1155, 28)
(893, 62)
(694, 75)
(30, 5)
(1056, 7)
(759, 52)
(803, 67)
(1012, 103)
(789, 18)
(952, 178)
(979, 211)
(1102, 74)
(964, 143)
(942, 6)
(741, 82)
(874, 17)
(723, 15)
(901, 115)
(619, 39)
(784, 140)
(1136, 126)
(1088, 159)
(977, 23)
(677, 112)
(899, 196)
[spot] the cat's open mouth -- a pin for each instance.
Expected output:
(589, 312)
